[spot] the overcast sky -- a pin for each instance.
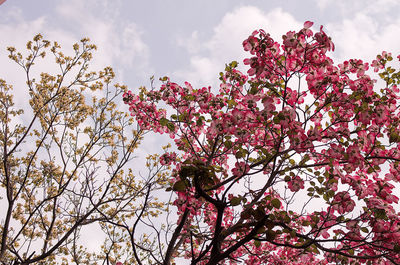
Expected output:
(189, 40)
(192, 40)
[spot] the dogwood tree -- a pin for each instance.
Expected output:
(295, 162)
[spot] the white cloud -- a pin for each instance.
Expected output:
(364, 28)
(322, 4)
(362, 36)
(119, 42)
(192, 44)
(209, 56)
(349, 8)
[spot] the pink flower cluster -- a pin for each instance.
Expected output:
(336, 135)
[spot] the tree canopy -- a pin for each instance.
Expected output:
(294, 162)
(66, 163)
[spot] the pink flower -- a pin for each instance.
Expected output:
(308, 24)
(296, 184)
(343, 203)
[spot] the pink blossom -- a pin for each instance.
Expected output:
(332, 139)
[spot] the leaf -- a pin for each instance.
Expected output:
(276, 203)
(231, 103)
(380, 213)
(171, 126)
(259, 213)
(314, 249)
(276, 120)
(261, 230)
(240, 153)
(394, 137)
(235, 201)
(253, 90)
(228, 144)
(179, 185)
(396, 248)
(257, 243)
(270, 235)
(164, 121)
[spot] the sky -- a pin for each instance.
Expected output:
(192, 40)
(188, 40)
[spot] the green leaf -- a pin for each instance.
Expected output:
(190, 97)
(270, 235)
(164, 121)
(264, 151)
(261, 230)
(396, 248)
(314, 249)
(231, 103)
(179, 185)
(171, 126)
(253, 90)
(276, 203)
(380, 213)
(394, 137)
(228, 144)
(257, 243)
(235, 201)
(259, 213)
(240, 153)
